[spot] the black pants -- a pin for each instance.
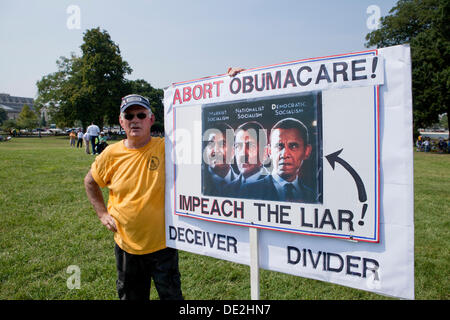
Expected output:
(80, 143)
(101, 147)
(135, 273)
(93, 144)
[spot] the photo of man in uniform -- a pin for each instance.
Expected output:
(250, 150)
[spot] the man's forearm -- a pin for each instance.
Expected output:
(95, 195)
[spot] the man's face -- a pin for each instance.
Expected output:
(137, 128)
(288, 150)
(216, 150)
(246, 150)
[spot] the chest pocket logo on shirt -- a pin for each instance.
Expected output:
(153, 163)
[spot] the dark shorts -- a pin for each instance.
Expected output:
(136, 271)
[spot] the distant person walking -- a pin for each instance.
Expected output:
(80, 139)
(93, 131)
(86, 140)
(442, 146)
(426, 143)
(72, 137)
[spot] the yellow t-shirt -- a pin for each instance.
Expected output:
(135, 178)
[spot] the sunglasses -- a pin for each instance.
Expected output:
(130, 116)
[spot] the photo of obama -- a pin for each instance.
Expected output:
(289, 148)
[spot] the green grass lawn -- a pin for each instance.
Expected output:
(47, 225)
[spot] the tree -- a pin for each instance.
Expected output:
(3, 115)
(27, 118)
(59, 91)
(155, 97)
(443, 121)
(86, 88)
(424, 25)
(103, 77)
(8, 125)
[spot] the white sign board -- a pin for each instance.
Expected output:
(311, 152)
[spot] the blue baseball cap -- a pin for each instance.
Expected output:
(134, 99)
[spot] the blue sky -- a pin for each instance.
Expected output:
(171, 41)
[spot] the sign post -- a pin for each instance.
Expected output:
(254, 263)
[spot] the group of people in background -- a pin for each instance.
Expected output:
(93, 136)
(426, 144)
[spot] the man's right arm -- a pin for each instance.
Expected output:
(95, 196)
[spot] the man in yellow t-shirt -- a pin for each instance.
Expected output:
(134, 172)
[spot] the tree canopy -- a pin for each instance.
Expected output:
(58, 91)
(27, 118)
(102, 75)
(89, 88)
(425, 26)
(155, 96)
(3, 115)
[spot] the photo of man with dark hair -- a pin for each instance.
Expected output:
(217, 172)
(289, 147)
(250, 150)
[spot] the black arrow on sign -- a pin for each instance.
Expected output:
(333, 158)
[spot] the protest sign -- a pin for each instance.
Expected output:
(308, 152)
